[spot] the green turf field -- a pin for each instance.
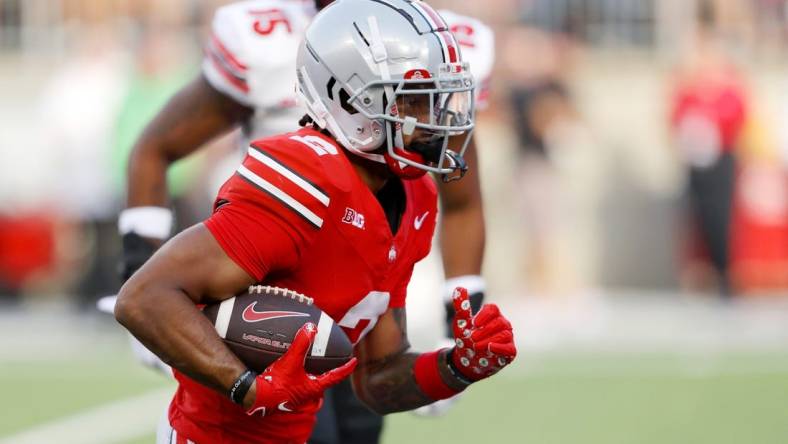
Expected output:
(554, 398)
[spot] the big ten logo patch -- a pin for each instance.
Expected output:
(354, 218)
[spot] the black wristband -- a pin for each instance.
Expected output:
(241, 386)
(454, 370)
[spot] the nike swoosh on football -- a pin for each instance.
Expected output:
(250, 315)
(419, 220)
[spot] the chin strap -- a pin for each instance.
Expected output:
(459, 165)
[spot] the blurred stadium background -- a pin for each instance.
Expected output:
(634, 171)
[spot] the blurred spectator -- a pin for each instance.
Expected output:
(759, 236)
(739, 199)
(709, 109)
(77, 113)
(545, 120)
(27, 248)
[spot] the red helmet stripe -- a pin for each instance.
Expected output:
(451, 47)
(435, 18)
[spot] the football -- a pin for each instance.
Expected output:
(260, 324)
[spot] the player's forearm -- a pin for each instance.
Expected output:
(168, 323)
(462, 229)
(462, 239)
(389, 385)
(147, 177)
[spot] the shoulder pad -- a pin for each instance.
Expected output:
(250, 53)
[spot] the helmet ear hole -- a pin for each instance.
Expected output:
(343, 102)
(344, 97)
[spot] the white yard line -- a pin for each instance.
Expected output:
(105, 424)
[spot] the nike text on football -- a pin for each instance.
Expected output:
(265, 341)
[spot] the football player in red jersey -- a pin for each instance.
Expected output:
(246, 81)
(341, 211)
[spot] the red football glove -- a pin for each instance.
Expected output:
(484, 344)
(285, 385)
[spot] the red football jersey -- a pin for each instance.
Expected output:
(297, 215)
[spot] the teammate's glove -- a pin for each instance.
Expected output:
(285, 385)
(143, 229)
(484, 343)
(136, 251)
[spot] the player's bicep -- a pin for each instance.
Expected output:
(195, 263)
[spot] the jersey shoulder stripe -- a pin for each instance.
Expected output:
(290, 173)
(277, 193)
(305, 184)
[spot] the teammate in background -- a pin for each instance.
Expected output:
(246, 81)
(387, 94)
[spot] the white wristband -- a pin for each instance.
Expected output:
(471, 282)
(155, 222)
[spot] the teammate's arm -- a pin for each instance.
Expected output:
(191, 118)
(462, 224)
(462, 234)
(462, 230)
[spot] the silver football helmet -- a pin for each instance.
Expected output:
(385, 71)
